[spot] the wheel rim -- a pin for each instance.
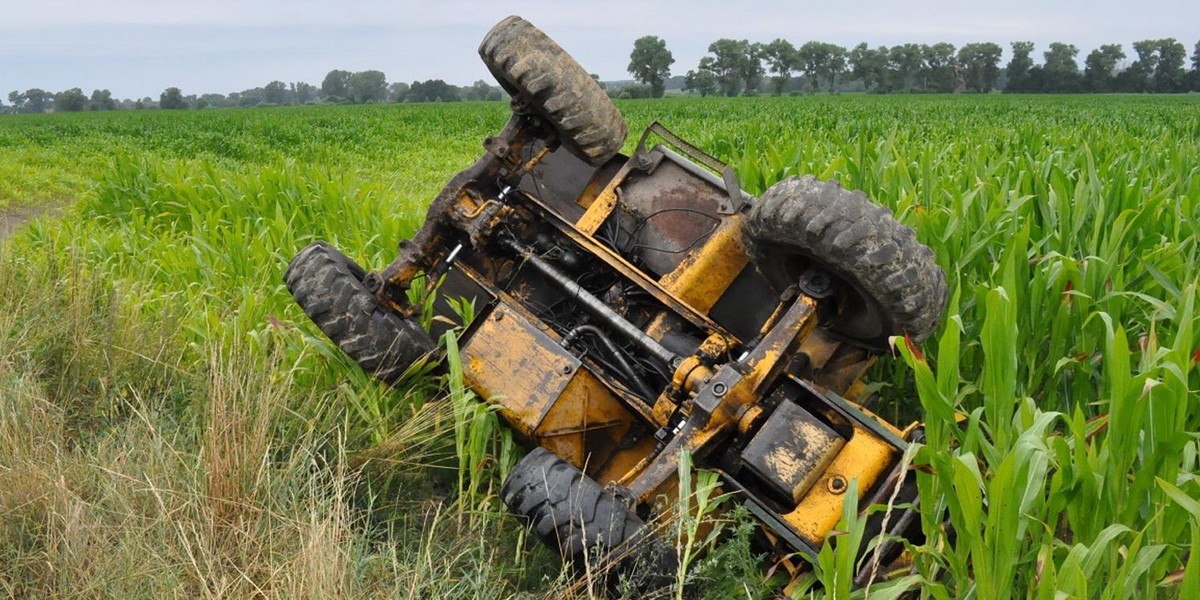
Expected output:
(858, 318)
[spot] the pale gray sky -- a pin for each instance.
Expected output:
(139, 47)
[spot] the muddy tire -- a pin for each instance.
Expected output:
(886, 282)
(572, 513)
(328, 286)
(527, 62)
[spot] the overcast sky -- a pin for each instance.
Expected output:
(140, 47)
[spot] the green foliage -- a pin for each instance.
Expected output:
(71, 100)
(699, 496)
(172, 98)
(1100, 67)
(821, 62)
(732, 568)
(702, 80)
(650, 63)
(368, 86)
(869, 65)
(905, 62)
(781, 56)
(433, 90)
(632, 91)
(735, 66)
(336, 86)
(1019, 66)
(34, 100)
(981, 65)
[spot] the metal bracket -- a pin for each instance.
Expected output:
(816, 284)
(500, 148)
(732, 187)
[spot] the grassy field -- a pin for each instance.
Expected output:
(172, 425)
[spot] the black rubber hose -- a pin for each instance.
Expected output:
(615, 352)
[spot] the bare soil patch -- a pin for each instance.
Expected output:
(12, 218)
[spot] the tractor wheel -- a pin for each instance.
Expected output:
(885, 281)
(571, 512)
(528, 63)
(329, 287)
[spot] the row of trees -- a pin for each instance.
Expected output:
(364, 87)
(338, 87)
(1159, 67)
(734, 67)
(38, 100)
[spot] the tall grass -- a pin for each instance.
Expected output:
(172, 425)
(141, 461)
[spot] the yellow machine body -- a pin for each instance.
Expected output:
(571, 405)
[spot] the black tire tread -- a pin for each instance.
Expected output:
(328, 286)
(567, 510)
(859, 241)
(572, 513)
(525, 60)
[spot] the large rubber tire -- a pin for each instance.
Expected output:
(572, 513)
(887, 283)
(328, 286)
(527, 62)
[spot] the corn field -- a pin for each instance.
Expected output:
(171, 424)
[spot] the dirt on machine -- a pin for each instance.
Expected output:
(631, 309)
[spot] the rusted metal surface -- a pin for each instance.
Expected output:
(734, 386)
(588, 428)
(591, 303)
(670, 212)
(560, 179)
(634, 275)
(792, 450)
(702, 277)
(518, 367)
(602, 206)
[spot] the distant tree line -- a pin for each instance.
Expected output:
(741, 67)
(733, 68)
(1158, 67)
(338, 87)
(38, 100)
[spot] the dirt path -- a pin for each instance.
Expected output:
(11, 219)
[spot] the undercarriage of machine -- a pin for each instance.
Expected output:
(630, 309)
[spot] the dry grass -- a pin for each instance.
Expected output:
(129, 470)
(156, 505)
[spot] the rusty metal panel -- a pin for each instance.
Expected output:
(559, 180)
(587, 424)
(651, 286)
(792, 450)
(676, 212)
(510, 362)
(542, 390)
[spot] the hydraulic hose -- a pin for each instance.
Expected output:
(642, 388)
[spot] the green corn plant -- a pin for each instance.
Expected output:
(696, 526)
